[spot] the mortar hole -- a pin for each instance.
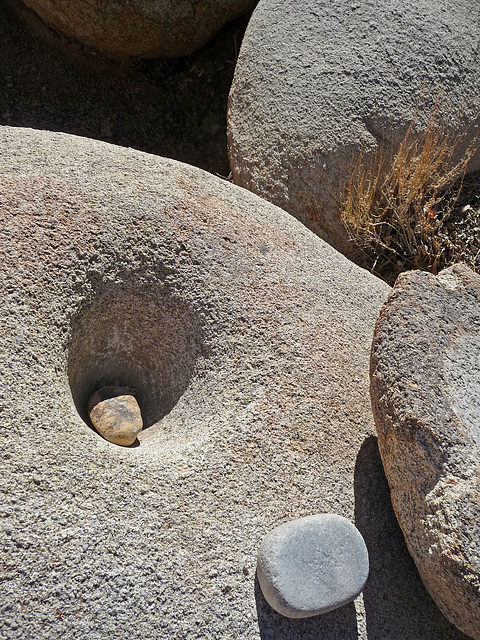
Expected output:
(143, 339)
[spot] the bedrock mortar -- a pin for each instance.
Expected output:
(138, 337)
(268, 331)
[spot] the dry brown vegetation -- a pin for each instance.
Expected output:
(399, 210)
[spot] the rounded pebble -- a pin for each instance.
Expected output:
(115, 414)
(312, 565)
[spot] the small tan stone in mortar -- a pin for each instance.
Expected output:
(115, 414)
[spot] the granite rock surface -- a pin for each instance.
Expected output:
(312, 565)
(140, 28)
(320, 84)
(424, 383)
(247, 341)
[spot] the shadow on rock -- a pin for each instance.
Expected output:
(173, 107)
(397, 605)
(340, 624)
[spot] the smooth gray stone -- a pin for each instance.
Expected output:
(312, 565)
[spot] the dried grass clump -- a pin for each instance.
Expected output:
(395, 207)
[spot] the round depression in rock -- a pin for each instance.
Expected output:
(246, 342)
(312, 565)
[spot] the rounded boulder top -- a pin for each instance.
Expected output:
(246, 340)
(312, 565)
(139, 28)
(321, 86)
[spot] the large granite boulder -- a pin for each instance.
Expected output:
(318, 84)
(425, 387)
(139, 28)
(245, 340)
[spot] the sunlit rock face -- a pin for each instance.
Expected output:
(245, 340)
(425, 380)
(320, 86)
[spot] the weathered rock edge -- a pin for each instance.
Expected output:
(430, 457)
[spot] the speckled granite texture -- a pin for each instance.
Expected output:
(319, 85)
(248, 340)
(425, 383)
